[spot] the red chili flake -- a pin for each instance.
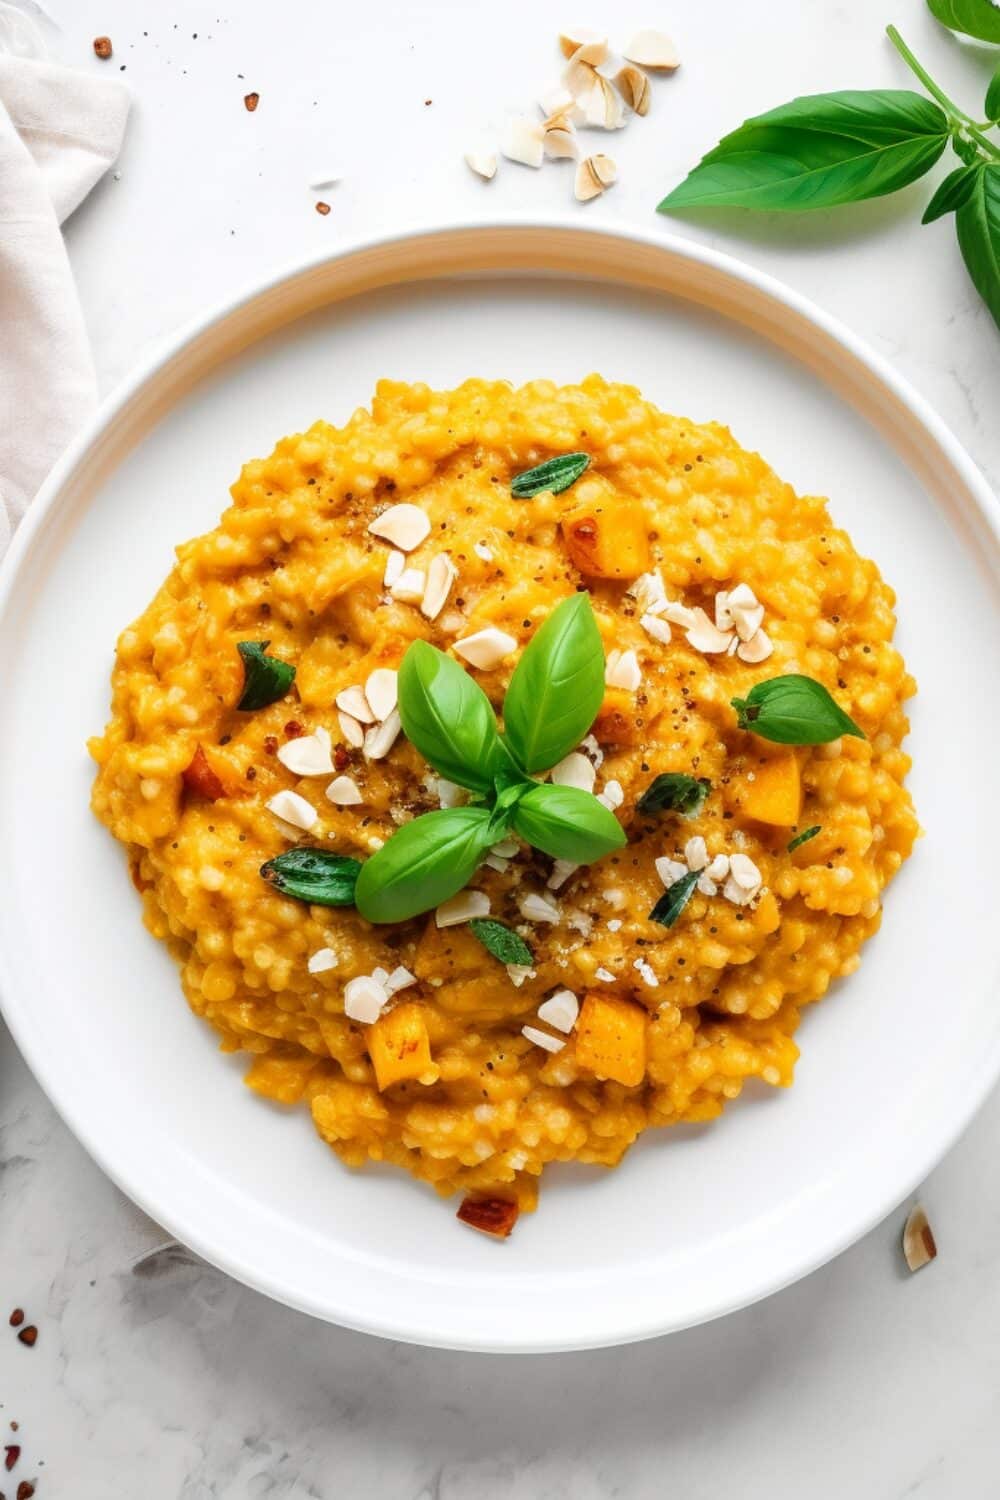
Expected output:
(12, 1453)
(271, 744)
(16, 1317)
(25, 1490)
(251, 101)
(322, 208)
(102, 47)
(28, 1335)
(496, 1216)
(201, 779)
(293, 729)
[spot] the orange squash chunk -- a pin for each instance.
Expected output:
(399, 1046)
(611, 1039)
(608, 541)
(775, 793)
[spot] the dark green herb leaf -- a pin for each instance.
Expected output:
(675, 791)
(501, 941)
(424, 863)
(979, 18)
(567, 823)
(313, 875)
(449, 718)
(978, 225)
(819, 151)
(793, 710)
(555, 474)
(557, 687)
(956, 189)
(804, 836)
(674, 899)
(265, 678)
(965, 150)
(993, 98)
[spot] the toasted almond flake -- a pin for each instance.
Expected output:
(757, 648)
(518, 973)
(648, 592)
(487, 648)
(462, 908)
(658, 629)
(734, 645)
(604, 975)
(562, 869)
(440, 576)
(696, 853)
(704, 636)
(364, 999)
(670, 870)
(584, 43)
(291, 808)
(344, 791)
(560, 1010)
(613, 793)
(496, 862)
(524, 141)
(623, 671)
(723, 614)
(707, 885)
(593, 175)
(633, 85)
(561, 140)
(484, 553)
(409, 586)
(353, 701)
(543, 1039)
(678, 614)
(380, 740)
(615, 924)
(394, 565)
(449, 794)
(308, 755)
(718, 869)
(536, 908)
(919, 1248)
(483, 163)
(652, 49)
(399, 979)
(381, 976)
(742, 598)
(747, 622)
(506, 848)
(733, 891)
(381, 691)
(646, 972)
(404, 525)
(322, 961)
(578, 80)
(575, 770)
(744, 871)
(602, 106)
(556, 99)
(352, 731)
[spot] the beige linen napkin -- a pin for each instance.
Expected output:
(59, 132)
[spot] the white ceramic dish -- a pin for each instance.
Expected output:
(697, 1221)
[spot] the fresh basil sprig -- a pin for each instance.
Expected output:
(803, 837)
(505, 944)
(793, 710)
(567, 823)
(424, 863)
(675, 791)
(555, 474)
(824, 150)
(674, 899)
(314, 875)
(557, 687)
(446, 714)
(265, 678)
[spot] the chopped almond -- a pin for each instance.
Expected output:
(483, 163)
(653, 49)
(404, 525)
(496, 1216)
(583, 43)
(593, 175)
(919, 1247)
(524, 141)
(633, 85)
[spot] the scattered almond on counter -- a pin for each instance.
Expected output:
(919, 1247)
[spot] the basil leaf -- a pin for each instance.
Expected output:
(557, 687)
(424, 863)
(555, 474)
(966, 150)
(499, 940)
(956, 189)
(819, 151)
(265, 678)
(993, 99)
(674, 899)
(978, 18)
(448, 717)
(978, 226)
(567, 823)
(793, 710)
(803, 837)
(675, 791)
(313, 875)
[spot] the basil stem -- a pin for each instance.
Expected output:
(555, 475)
(793, 710)
(803, 837)
(674, 899)
(265, 678)
(567, 823)
(448, 717)
(424, 863)
(675, 791)
(557, 687)
(313, 875)
(501, 941)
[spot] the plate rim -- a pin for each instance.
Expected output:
(778, 296)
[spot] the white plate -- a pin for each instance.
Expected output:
(696, 1222)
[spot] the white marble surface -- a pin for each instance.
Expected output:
(859, 1381)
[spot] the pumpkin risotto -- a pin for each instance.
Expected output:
(573, 953)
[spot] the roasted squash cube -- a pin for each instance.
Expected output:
(775, 793)
(611, 1039)
(399, 1046)
(608, 539)
(496, 1216)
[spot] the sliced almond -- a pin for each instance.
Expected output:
(322, 961)
(524, 141)
(394, 565)
(409, 586)
(557, 100)
(405, 526)
(593, 175)
(696, 853)
(450, 794)
(353, 701)
(381, 690)
(536, 908)
(704, 636)
(919, 1248)
(562, 869)
(518, 973)
(633, 85)
(364, 999)
(560, 1010)
(483, 163)
(399, 979)
(670, 870)
(344, 791)
(575, 770)
(462, 908)
(652, 49)
(308, 755)
(657, 628)
(678, 614)
(719, 867)
(723, 614)
(613, 794)
(707, 885)
(543, 1039)
(487, 648)
(506, 848)
(757, 648)
(440, 576)
(623, 671)
(745, 611)
(578, 80)
(736, 893)
(602, 106)
(648, 592)
(561, 139)
(292, 808)
(353, 732)
(380, 740)
(744, 871)
(585, 44)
